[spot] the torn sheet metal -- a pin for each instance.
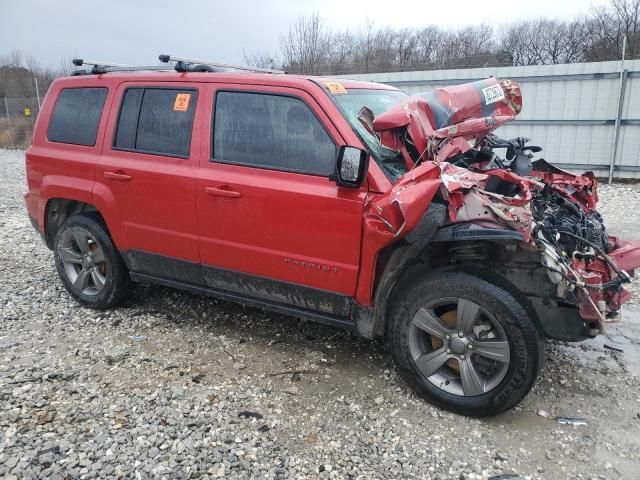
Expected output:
(445, 139)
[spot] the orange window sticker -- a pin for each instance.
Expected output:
(182, 102)
(336, 88)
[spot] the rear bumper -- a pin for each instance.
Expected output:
(32, 203)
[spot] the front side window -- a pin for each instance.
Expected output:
(271, 131)
(156, 120)
(76, 116)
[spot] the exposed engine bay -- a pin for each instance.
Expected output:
(446, 143)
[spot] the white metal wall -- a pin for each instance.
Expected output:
(569, 110)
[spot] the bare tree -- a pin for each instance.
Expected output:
(341, 53)
(609, 25)
(310, 47)
(516, 40)
(261, 59)
(468, 47)
(366, 47)
(627, 13)
(406, 47)
(429, 41)
(306, 46)
(14, 59)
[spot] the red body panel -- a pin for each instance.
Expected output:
(160, 189)
(56, 170)
(297, 228)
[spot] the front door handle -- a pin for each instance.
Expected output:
(121, 176)
(222, 191)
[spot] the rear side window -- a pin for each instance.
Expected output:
(271, 131)
(76, 116)
(156, 120)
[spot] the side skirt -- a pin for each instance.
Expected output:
(284, 309)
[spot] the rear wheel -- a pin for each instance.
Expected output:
(88, 263)
(465, 344)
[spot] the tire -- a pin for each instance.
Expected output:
(465, 344)
(88, 264)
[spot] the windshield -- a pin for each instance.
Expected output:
(378, 101)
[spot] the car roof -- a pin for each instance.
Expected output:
(275, 79)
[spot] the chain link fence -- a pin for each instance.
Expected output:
(22, 89)
(17, 119)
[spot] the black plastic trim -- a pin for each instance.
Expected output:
(559, 321)
(323, 318)
(164, 266)
(470, 231)
(239, 283)
(278, 291)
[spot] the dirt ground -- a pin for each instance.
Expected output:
(179, 386)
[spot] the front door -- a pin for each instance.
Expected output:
(271, 222)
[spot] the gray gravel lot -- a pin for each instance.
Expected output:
(179, 386)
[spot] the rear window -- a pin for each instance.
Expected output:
(156, 120)
(76, 116)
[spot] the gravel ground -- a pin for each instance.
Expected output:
(179, 386)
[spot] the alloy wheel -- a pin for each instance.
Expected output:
(459, 346)
(84, 262)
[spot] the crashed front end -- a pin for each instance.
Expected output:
(491, 185)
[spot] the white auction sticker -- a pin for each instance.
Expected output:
(493, 94)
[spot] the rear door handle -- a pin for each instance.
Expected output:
(123, 177)
(222, 191)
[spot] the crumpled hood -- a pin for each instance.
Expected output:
(428, 130)
(433, 132)
(458, 112)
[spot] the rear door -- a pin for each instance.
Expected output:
(147, 172)
(271, 222)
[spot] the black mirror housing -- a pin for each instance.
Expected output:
(351, 167)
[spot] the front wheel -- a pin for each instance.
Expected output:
(465, 344)
(89, 265)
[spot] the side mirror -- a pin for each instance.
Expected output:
(352, 167)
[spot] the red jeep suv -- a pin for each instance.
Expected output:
(345, 202)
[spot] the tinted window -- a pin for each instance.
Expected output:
(76, 116)
(271, 131)
(156, 120)
(128, 118)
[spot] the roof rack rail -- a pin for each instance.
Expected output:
(98, 68)
(191, 65)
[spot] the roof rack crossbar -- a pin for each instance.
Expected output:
(182, 64)
(98, 67)
(79, 62)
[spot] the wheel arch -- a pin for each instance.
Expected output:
(425, 249)
(507, 263)
(58, 209)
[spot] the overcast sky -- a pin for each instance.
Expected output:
(130, 31)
